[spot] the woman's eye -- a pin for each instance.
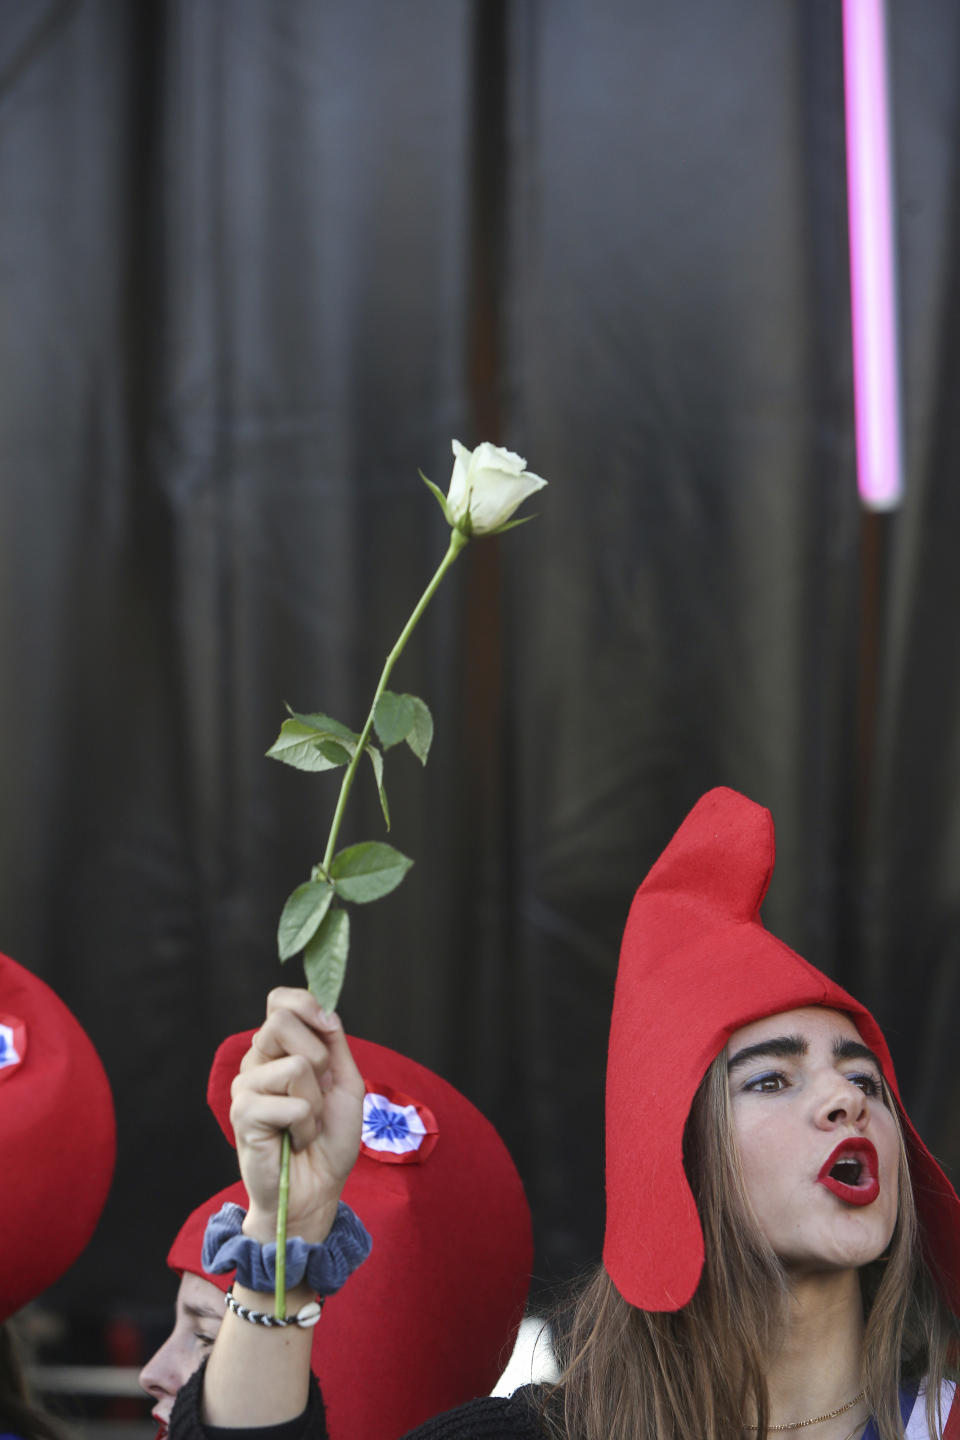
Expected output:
(203, 1340)
(869, 1084)
(767, 1084)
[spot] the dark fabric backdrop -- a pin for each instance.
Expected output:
(260, 260)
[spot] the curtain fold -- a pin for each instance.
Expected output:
(261, 261)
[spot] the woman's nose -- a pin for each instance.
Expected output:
(157, 1376)
(841, 1103)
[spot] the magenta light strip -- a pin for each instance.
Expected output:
(873, 296)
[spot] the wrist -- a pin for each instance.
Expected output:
(260, 1225)
(324, 1264)
(297, 1295)
(314, 1227)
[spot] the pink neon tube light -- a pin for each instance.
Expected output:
(873, 295)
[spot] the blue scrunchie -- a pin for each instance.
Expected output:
(325, 1267)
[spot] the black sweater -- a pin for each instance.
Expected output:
(515, 1418)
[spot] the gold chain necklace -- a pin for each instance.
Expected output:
(816, 1419)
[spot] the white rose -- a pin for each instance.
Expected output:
(486, 487)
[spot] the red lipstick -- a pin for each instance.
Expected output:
(850, 1172)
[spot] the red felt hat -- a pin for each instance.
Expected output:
(57, 1137)
(696, 964)
(429, 1320)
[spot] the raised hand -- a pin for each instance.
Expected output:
(298, 1075)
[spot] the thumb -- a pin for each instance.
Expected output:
(340, 1071)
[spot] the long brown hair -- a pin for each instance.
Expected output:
(628, 1373)
(18, 1413)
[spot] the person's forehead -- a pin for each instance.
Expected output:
(197, 1294)
(809, 1022)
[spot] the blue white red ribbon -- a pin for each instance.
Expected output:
(397, 1130)
(13, 1044)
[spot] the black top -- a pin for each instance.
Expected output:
(515, 1418)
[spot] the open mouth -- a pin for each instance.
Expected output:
(851, 1172)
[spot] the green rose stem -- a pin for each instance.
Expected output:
(457, 541)
(283, 1197)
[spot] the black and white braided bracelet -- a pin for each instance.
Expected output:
(306, 1316)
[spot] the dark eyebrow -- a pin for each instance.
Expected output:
(855, 1050)
(202, 1312)
(794, 1047)
(783, 1047)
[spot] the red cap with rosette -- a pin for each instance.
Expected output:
(57, 1137)
(428, 1321)
(696, 964)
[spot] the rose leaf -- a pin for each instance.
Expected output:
(368, 871)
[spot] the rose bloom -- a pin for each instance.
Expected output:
(486, 487)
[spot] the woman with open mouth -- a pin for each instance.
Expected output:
(782, 1252)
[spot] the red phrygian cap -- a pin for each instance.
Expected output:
(430, 1318)
(57, 1137)
(696, 964)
